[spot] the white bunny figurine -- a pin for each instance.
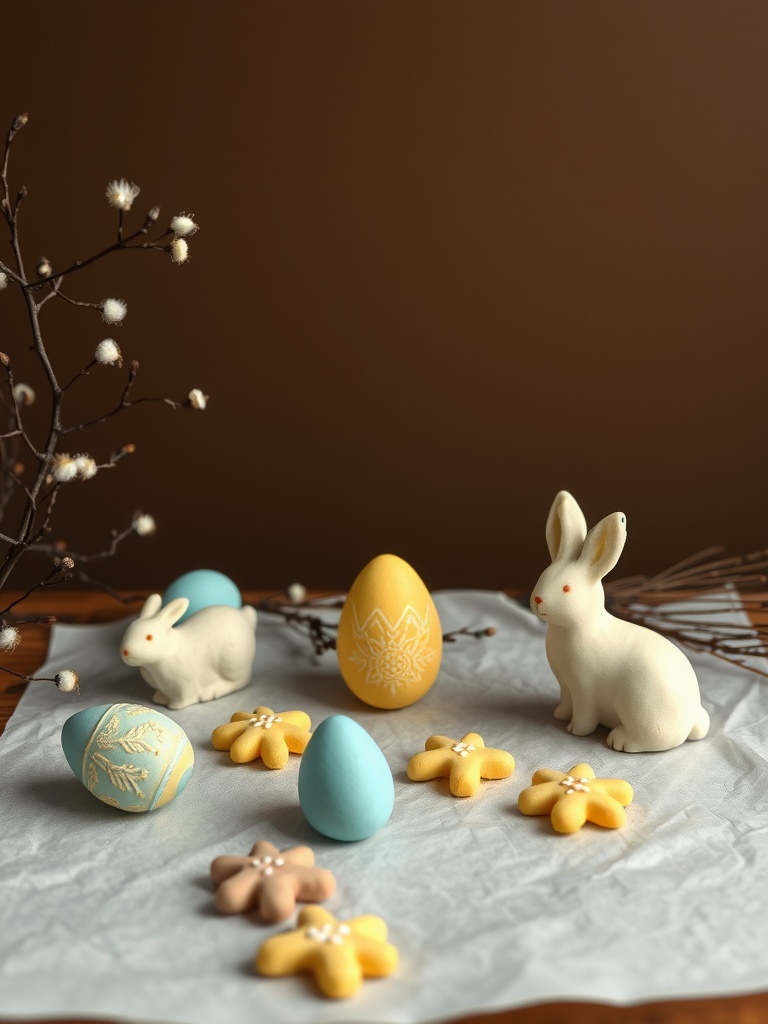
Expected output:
(207, 656)
(611, 672)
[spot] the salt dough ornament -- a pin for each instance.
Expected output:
(611, 672)
(574, 797)
(340, 954)
(265, 734)
(271, 881)
(463, 762)
(208, 656)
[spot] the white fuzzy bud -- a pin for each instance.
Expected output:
(86, 466)
(297, 593)
(121, 194)
(113, 310)
(44, 268)
(23, 395)
(197, 399)
(179, 250)
(144, 524)
(67, 680)
(108, 353)
(3, 280)
(64, 468)
(183, 225)
(9, 638)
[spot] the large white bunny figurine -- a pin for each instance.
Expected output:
(207, 656)
(611, 672)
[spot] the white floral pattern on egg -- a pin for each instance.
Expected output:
(390, 639)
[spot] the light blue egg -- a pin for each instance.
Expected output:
(346, 789)
(203, 587)
(127, 755)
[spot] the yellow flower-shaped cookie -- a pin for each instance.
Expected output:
(463, 762)
(576, 797)
(265, 734)
(339, 953)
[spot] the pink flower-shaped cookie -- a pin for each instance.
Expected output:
(270, 881)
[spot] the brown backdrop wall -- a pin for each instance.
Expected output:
(453, 257)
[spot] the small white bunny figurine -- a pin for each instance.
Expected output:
(207, 656)
(611, 672)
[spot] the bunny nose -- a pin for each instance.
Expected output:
(125, 651)
(538, 600)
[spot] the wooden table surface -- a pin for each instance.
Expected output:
(76, 606)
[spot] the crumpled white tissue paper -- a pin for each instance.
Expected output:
(108, 914)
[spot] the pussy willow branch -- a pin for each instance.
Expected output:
(57, 577)
(60, 550)
(26, 526)
(9, 447)
(28, 679)
(15, 411)
(124, 403)
(40, 495)
(120, 244)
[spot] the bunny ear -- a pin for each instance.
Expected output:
(174, 610)
(604, 545)
(151, 605)
(566, 527)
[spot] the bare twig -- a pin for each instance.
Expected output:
(693, 582)
(50, 582)
(478, 634)
(118, 536)
(321, 634)
(118, 595)
(120, 245)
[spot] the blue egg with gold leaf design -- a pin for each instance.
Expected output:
(127, 755)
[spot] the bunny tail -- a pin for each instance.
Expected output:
(700, 726)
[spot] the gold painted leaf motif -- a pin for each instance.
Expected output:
(132, 741)
(122, 776)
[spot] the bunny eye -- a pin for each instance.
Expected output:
(149, 636)
(566, 588)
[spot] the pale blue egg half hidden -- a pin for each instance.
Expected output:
(127, 755)
(346, 789)
(203, 588)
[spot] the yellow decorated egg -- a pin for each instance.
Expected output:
(390, 641)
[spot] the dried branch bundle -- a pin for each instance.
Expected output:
(711, 586)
